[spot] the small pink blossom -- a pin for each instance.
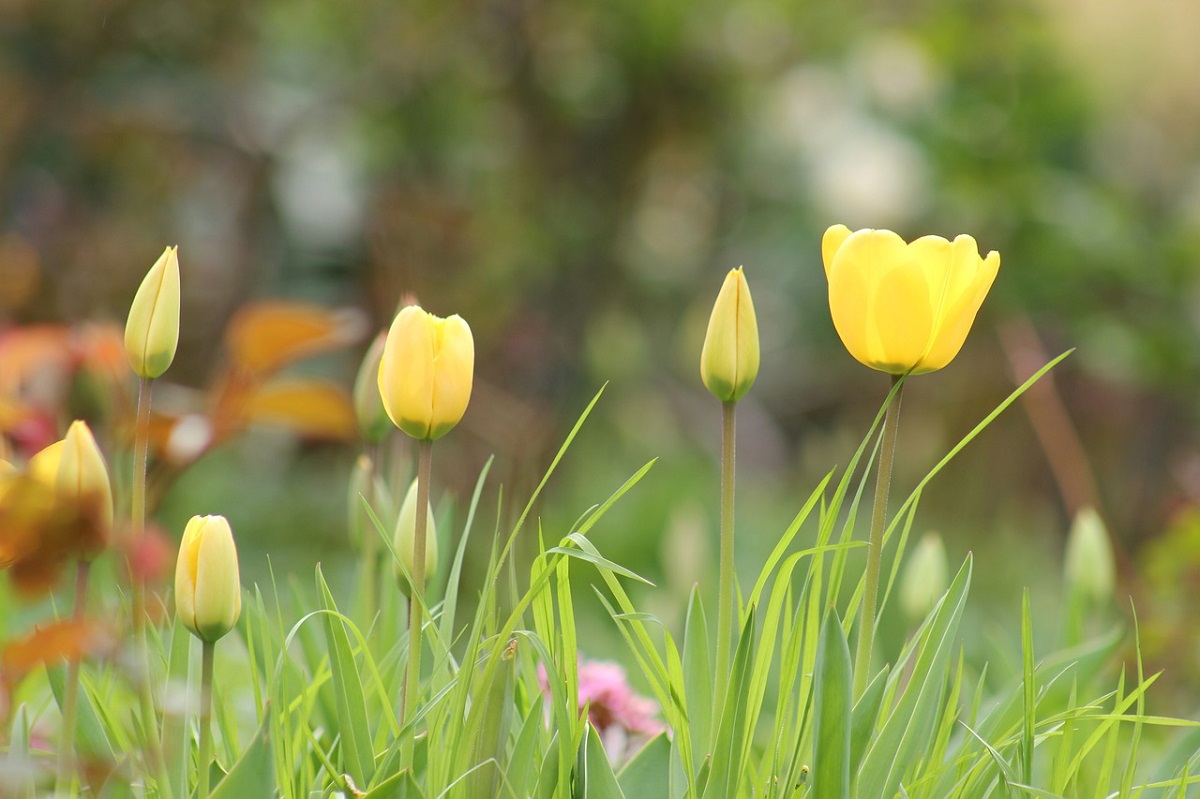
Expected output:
(624, 719)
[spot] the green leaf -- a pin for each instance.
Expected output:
(729, 749)
(909, 730)
(91, 739)
(648, 773)
(520, 774)
(866, 712)
(594, 775)
(697, 675)
(354, 728)
(832, 713)
(487, 725)
(398, 786)
(254, 773)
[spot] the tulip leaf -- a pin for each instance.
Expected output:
(648, 773)
(831, 713)
(254, 772)
(594, 778)
(353, 725)
(307, 407)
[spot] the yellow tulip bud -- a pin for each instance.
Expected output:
(208, 588)
(43, 466)
(82, 473)
(924, 580)
(1089, 566)
(901, 307)
(373, 420)
(406, 534)
(729, 359)
(426, 371)
(152, 329)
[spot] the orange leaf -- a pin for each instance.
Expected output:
(63, 640)
(308, 407)
(264, 337)
(28, 351)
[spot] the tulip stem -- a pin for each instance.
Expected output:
(66, 746)
(412, 670)
(206, 745)
(725, 609)
(883, 483)
(137, 513)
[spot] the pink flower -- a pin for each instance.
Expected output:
(623, 719)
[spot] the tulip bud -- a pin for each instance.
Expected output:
(208, 588)
(426, 371)
(373, 420)
(406, 533)
(82, 473)
(152, 329)
(729, 359)
(1089, 560)
(924, 579)
(43, 466)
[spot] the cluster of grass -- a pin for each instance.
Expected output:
(307, 706)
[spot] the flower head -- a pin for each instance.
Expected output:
(208, 588)
(729, 359)
(152, 328)
(426, 372)
(901, 307)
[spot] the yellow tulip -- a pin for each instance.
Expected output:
(208, 588)
(904, 307)
(82, 473)
(426, 371)
(76, 470)
(152, 328)
(729, 358)
(406, 533)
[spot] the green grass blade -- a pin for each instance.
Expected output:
(648, 773)
(832, 713)
(254, 772)
(697, 675)
(353, 725)
(1029, 691)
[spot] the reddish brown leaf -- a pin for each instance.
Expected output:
(266, 336)
(64, 640)
(310, 408)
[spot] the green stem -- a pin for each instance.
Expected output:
(206, 744)
(66, 746)
(412, 670)
(883, 483)
(725, 609)
(137, 513)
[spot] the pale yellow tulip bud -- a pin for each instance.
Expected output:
(208, 588)
(373, 421)
(152, 329)
(82, 473)
(1089, 560)
(43, 466)
(406, 533)
(426, 372)
(729, 359)
(901, 307)
(925, 578)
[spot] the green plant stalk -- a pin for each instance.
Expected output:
(66, 746)
(206, 744)
(883, 484)
(412, 670)
(725, 591)
(137, 512)
(370, 546)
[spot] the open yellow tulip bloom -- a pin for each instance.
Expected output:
(901, 307)
(426, 372)
(152, 328)
(208, 587)
(729, 358)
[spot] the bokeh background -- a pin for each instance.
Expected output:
(575, 179)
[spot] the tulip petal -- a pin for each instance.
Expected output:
(218, 584)
(960, 316)
(406, 372)
(453, 374)
(831, 242)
